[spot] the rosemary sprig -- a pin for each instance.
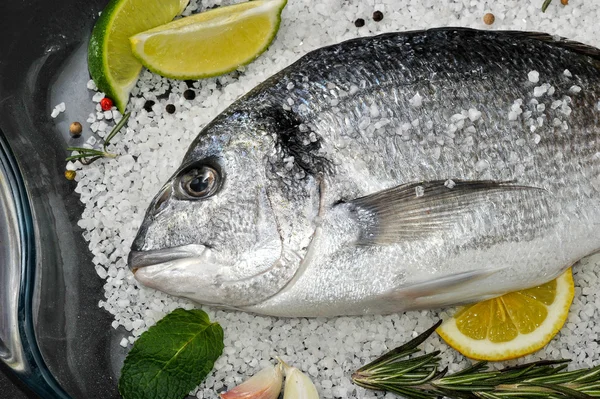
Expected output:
(545, 5)
(88, 155)
(420, 377)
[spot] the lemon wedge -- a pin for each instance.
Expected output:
(210, 43)
(512, 325)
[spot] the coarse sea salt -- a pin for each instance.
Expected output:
(450, 183)
(416, 101)
(116, 193)
(474, 114)
(534, 76)
(539, 91)
(58, 109)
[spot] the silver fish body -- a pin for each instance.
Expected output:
(402, 171)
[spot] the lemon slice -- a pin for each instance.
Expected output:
(513, 324)
(112, 66)
(210, 43)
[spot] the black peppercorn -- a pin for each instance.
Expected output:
(148, 105)
(189, 94)
(359, 23)
(170, 108)
(377, 16)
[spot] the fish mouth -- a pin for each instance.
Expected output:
(141, 259)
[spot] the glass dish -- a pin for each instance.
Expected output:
(52, 334)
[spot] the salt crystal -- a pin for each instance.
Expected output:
(61, 107)
(97, 97)
(482, 165)
(124, 342)
(364, 122)
(419, 191)
(512, 116)
(474, 114)
(457, 117)
(55, 113)
(539, 91)
(534, 76)
(416, 100)
(574, 89)
(537, 138)
(567, 73)
(137, 324)
(450, 183)
(374, 111)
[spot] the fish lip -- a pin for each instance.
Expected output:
(140, 259)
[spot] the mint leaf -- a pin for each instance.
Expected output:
(172, 357)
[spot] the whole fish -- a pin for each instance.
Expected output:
(401, 171)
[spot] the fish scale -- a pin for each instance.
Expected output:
(354, 147)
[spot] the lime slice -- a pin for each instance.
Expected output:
(210, 43)
(112, 66)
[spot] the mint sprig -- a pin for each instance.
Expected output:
(172, 357)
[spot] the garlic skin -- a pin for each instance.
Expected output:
(298, 385)
(266, 384)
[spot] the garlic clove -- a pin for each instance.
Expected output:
(298, 385)
(266, 384)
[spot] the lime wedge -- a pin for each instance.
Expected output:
(112, 66)
(209, 43)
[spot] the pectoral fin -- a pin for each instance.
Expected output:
(411, 211)
(438, 292)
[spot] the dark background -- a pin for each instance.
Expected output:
(8, 389)
(42, 63)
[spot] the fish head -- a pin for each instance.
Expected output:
(212, 233)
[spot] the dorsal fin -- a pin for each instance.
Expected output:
(571, 45)
(559, 41)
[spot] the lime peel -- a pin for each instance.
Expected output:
(112, 66)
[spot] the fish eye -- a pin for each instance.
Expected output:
(199, 183)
